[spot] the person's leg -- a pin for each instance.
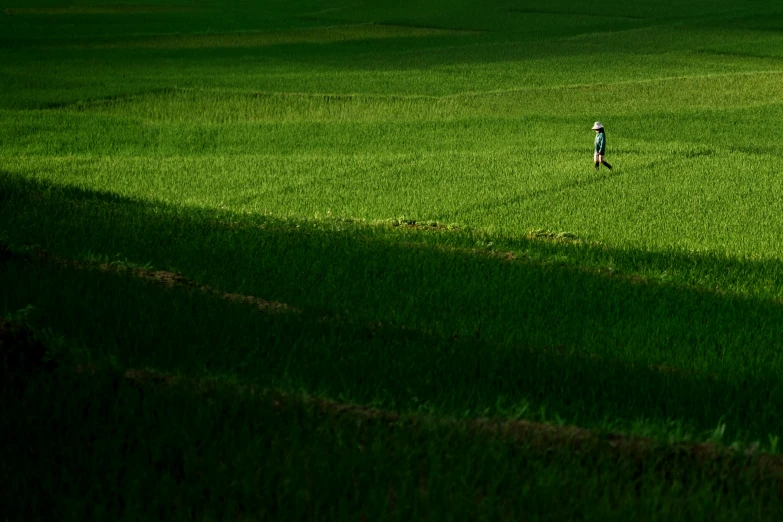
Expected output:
(604, 162)
(597, 161)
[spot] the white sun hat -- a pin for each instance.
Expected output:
(597, 125)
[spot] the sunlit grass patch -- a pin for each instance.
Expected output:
(225, 107)
(717, 92)
(653, 96)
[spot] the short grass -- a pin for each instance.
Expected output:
(416, 180)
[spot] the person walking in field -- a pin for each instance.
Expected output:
(600, 146)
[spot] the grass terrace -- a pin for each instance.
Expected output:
(318, 260)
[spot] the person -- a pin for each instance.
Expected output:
(600, 146)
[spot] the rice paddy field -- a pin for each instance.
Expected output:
(351, 260)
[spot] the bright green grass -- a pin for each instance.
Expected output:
(480, 130)
(270, 149)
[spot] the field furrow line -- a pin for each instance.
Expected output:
(536, 435)
(167, 279)
(23, 356)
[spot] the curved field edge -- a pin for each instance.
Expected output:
(215, 448)
(155, 319)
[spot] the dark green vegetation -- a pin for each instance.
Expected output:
(217, 217)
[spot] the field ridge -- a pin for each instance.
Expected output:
(538, 435)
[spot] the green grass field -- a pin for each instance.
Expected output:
(323, 260)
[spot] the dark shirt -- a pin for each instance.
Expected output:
(600, 142)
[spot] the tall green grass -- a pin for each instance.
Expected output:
(581, 331)
(253, 458)
(416, 178)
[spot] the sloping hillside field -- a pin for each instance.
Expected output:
(351, 260)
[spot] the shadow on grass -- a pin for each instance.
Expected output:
(423, 324)
(178, 453)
